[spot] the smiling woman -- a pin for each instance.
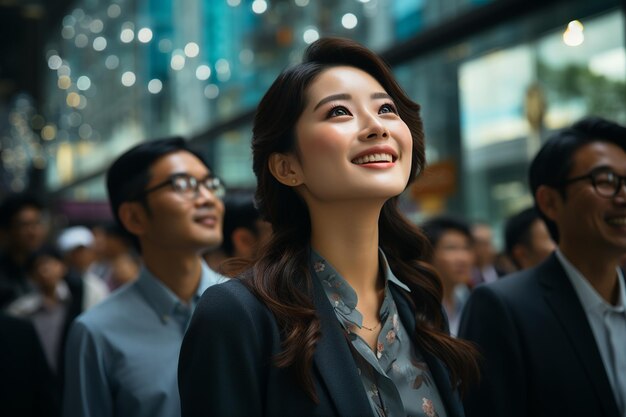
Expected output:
(340, 314)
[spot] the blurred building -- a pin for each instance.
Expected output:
(494, 78)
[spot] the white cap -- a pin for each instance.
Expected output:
(74, 237)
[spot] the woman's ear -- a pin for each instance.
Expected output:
(286, 169)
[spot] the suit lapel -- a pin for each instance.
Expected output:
(335, 363)
(563, 300)
(437, 368)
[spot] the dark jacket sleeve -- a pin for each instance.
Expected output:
(222, 340)
(488, 321)
(27, 386)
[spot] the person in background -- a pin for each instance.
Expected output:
(554, 336)
(340, 315)
(527, 239)
(122, 354)
(453, 258)
(27, 387)
(55, 301)
(485, 255)
(244, 231)
(116, 261)
(24, 226)
(77, 245)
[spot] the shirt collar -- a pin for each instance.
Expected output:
(35, 301)
(341, 295)
(589, 297)
(162, 300)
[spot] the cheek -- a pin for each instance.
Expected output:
(403, 136)
(321, 142)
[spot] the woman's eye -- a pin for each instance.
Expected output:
(387, 108)
(338, 111)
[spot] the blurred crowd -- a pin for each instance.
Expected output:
(48, 277)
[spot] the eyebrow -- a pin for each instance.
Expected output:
(347, 97)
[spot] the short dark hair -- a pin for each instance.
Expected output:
(129, 174)
(553, 163)
(14, 203)
(517, 229)
(239, 211)
(435, 227)
(46, 250)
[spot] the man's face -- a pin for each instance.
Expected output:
(483, 247)
(586, 221)
(28, 229)
(453, 258)
(541, 245)
(47, 272)
(176, 221)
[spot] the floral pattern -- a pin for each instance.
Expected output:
(394, 375)
(428, 408)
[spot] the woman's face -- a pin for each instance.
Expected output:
(352, 144)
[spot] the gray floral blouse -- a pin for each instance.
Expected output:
(395, 377)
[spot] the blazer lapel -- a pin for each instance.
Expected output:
(563, 300)
(335, 363)
(437, 368)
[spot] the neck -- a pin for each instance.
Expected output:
(49, 295)
(347, 237)
(599, 269)
(179, 271)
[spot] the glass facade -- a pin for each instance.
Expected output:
(130, 70)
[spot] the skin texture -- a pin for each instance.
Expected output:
(593, 242)
(348, 113)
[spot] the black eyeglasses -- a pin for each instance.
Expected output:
(606, 182)
(189, 186)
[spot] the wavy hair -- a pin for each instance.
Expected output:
(280, 278)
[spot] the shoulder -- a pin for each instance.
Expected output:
(119, 307)
(516, 298)
(231, 314)
(230, 300)
(24, 306)
(527, 284)
(10, 327)
(515, 286)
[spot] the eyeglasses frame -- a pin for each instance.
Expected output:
(591, 176)
(170, 182)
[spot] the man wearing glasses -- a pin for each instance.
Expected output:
(554, 336)
(122, 355)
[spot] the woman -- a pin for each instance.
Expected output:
(320, 325)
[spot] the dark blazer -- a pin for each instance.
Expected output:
(226, 362)
(26, 383)
(540, 355)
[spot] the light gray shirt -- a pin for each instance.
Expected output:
(608, 324)
(122, 354)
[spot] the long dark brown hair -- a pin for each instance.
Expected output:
(280, 277)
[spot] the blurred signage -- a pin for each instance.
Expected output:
(85, 211)
(437, 180)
